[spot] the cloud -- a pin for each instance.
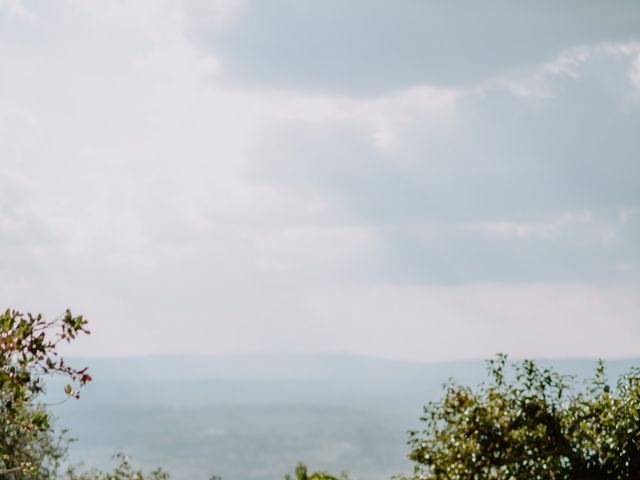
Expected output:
(490, 184)
(14, 8)
(543, 229)
(475, 321)
(149, 184)
(635, 72)
(373, 46)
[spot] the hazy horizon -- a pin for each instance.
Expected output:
(254, 417)
(330, 354)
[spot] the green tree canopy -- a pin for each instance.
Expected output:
(302, 473)
(530, 422)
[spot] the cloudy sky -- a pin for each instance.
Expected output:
(410, 179)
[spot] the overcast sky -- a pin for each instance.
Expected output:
(410, 179)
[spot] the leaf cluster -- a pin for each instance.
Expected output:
(302, 473)
(28, 346)
(530, 422)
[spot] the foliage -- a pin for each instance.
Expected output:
(526, 422)
(28, 345)
(29, 450)
(531, 423)
(33, 457)
(301, 473)
(123, 471)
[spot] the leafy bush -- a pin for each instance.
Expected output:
(123, 471)
(531, 423)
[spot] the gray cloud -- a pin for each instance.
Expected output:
(368, 46)
(501, 158)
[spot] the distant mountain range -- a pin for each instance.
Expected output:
(251, 417)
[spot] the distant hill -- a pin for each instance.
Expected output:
(252, 417)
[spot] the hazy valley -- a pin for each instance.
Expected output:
(252, 417)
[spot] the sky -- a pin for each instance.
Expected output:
(414, 179)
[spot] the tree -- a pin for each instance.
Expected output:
(123, 471)
(530, 422)
(302, 473)
(28, 447)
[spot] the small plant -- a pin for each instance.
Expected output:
(122, 471)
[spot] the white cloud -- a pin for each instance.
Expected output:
(635, 71)
(538, 84)
(547, 229)
(568, 64)
(626, 215)
(15, 8)
(137, 186)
